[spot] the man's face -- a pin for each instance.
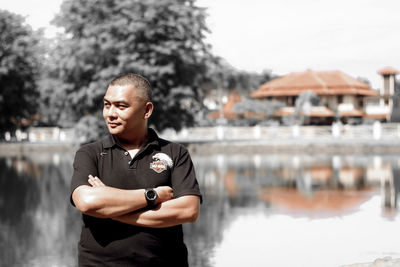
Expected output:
(124, 111)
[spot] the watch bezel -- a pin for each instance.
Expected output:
(150, 199)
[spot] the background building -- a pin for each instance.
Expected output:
(340, 94)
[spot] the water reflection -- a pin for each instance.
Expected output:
(259, 208)
(245, 192)
(304, 177)
(38, 228)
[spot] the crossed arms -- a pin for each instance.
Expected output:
(126, 206)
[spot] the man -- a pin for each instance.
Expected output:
(134, 189)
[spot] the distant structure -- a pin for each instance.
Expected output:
(387, 90)
(226, 111)
(340, 94)
(341, 97)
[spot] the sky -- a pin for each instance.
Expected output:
(358, 37)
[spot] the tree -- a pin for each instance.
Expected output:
(304, 102)
(264, 108)
(19, 71)
(223, 75)
(162, 40)
(255, 111)
(364, 80)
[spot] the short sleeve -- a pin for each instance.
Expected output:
(183, 177)
(84, 164)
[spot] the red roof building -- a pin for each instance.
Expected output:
(338, 92)
(320, 82)
(340, 95)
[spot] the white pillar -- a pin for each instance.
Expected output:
(336, 130)
(295, 130)
(377, 130)
(56, 134)
(32, 136)
(220, 132)
(257, 132)
(18, 134)
(7, 136)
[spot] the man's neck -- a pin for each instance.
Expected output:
(133, 142)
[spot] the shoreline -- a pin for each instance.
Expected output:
(298, 146)
(17, 149)
(260, 146)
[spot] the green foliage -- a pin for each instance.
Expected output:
(223, 75)
(304, 102)
(254, 111)
(19, 71)
(364, 80)
(162, 40)
(267, 108)
(88, 129)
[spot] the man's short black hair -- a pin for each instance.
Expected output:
(139, 82)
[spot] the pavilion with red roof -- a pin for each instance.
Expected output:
(338, 93)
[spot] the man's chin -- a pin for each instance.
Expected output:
(114, 131)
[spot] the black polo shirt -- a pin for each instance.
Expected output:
(105, 242)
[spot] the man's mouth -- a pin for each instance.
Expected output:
(113, 124)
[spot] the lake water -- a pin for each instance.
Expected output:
(258, 210)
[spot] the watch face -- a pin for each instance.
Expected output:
(151, 194)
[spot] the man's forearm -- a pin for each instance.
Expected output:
(108, 202)
(170, 213)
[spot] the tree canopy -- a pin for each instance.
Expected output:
(162, 40)
(19, 71)
(266, 107)
(304, 102)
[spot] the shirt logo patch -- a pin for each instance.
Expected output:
(161, 162)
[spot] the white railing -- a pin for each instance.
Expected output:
(43, 135)
(376, 131)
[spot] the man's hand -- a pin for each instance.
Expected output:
(164, 193)
(95, 181)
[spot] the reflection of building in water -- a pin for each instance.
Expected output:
(321, 173)
(311, 186)
(230, 183)
(24, 166)
(325, 185)
(382, 174)
(351, 177)
(311, 181)
(396, 184)
(31, 163)
(321, 200)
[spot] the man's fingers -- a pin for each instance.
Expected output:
(98, 181)
(165, 192)
(91, 180)
(95, 181)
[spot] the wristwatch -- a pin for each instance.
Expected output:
(150, 195)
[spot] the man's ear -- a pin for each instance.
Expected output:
(148, 110)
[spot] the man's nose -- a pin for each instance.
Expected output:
(111, 112)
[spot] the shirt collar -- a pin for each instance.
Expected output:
(153, 138)
(109, 140)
